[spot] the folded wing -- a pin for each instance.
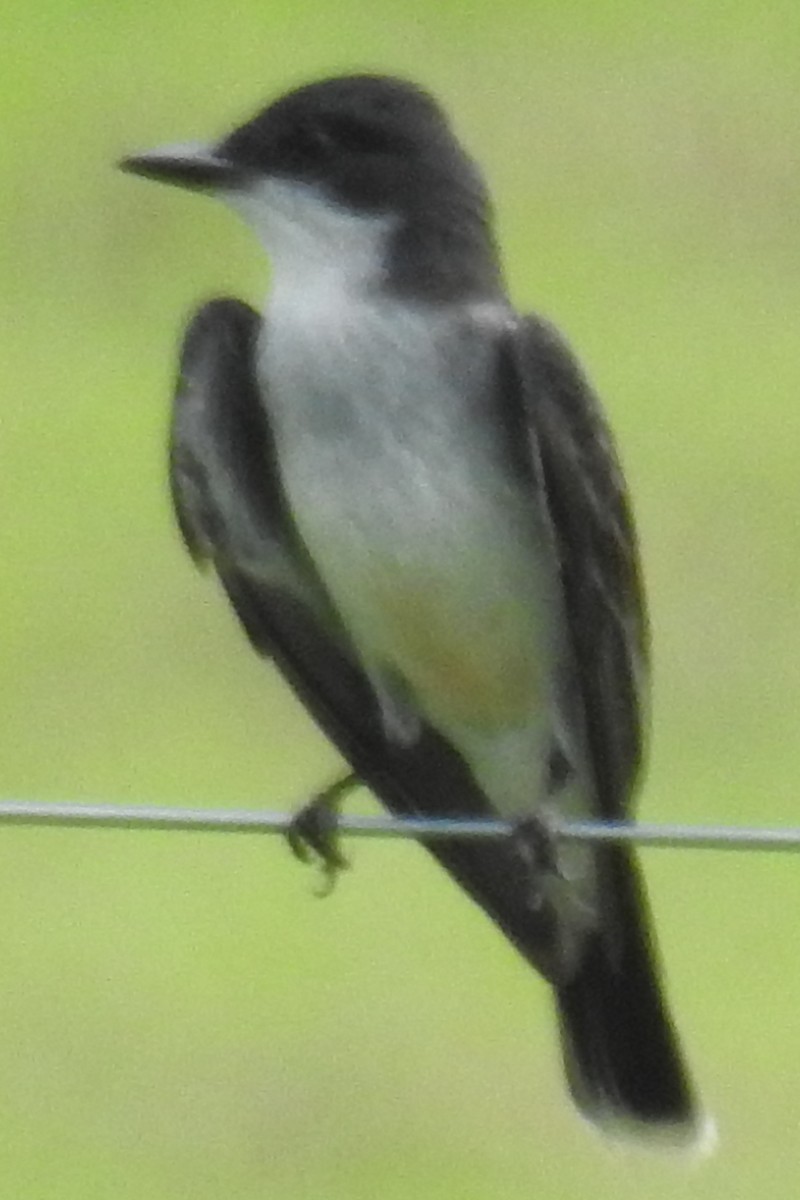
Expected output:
(227, 493)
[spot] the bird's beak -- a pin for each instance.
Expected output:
(188, 165)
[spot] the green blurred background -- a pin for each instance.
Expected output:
(179, 1016)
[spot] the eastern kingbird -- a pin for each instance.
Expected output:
(413, 502)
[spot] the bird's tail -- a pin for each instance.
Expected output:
(623, 1061)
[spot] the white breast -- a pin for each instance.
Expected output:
(394, 464)
(393, 458)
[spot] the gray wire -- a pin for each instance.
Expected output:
(127, 816)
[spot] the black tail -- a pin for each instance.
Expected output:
(623, 1062)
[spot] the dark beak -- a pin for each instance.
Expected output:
(188, 165)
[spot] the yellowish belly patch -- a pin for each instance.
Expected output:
(479, 669)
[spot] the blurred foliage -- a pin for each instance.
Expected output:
(179, 1016)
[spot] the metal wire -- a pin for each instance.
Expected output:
(126, 816)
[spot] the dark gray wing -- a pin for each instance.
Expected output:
(620, 1049)
(595, 543)
(226, 487)
(624, 1063)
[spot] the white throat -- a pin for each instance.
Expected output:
(314, 245)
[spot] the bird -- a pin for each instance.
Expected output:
(413, 501)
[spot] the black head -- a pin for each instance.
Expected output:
(369, 143)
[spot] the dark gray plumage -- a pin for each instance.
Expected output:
(377, 155)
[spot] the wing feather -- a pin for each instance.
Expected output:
(229, 504)
(596, 548)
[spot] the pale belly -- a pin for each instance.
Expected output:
(456, 648)
(439, 582)
(397, 475)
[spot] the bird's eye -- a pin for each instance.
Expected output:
(308, 145)
(360, 137)
(310, 141)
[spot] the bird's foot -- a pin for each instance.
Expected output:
(314, 832)
(537, 844)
